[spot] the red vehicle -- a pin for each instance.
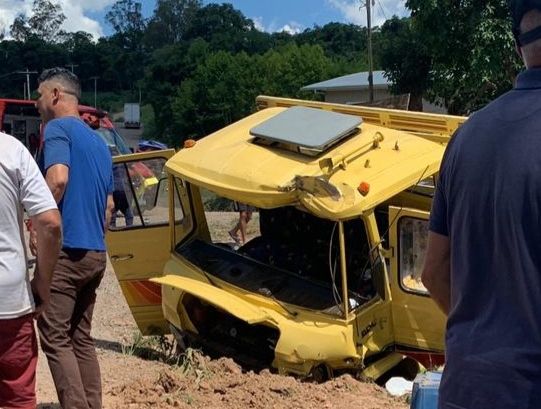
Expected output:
(20, 118)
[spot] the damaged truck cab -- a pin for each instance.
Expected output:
(328, 280)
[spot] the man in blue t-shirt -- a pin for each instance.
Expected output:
(483, 263)
(78, 169)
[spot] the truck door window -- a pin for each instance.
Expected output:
(140, 194)
(413, 239)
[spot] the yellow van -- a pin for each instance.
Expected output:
(328, 280)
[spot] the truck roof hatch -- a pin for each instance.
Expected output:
(308, 131)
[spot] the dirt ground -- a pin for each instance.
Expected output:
(130, 381)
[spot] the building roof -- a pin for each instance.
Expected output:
(351, 82)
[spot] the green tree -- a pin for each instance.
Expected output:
(405, 60)
(223, 87)
(472, 50)
(35, 54)
(222, 90)
(223, 27)
(170, 21)
(84, 53)
(169, 67)
(337, 39)
(45, 22)
(123, 52)
(20, 30)
(287, 69)
(125, 17)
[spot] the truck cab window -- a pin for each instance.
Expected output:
(413, 239)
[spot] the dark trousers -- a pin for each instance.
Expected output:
(65, 326)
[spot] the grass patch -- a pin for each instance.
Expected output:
(155, 348)
(163, 348)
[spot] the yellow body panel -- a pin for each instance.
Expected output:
(230, 164)
(138, 254)
(306, 340)
(418, 322)
(220, 298)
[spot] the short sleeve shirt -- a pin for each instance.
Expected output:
(488, 202)
(69, 141)
(21, 186)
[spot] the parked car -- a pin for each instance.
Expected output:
(329, 280)
(146, 145)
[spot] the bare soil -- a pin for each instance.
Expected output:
(130, 381)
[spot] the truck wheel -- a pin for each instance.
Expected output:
(320, 374)
(408, 369)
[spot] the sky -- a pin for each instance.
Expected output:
(268, 15)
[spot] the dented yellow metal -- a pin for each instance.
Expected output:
(371, 338)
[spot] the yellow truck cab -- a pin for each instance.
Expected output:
(329, 279)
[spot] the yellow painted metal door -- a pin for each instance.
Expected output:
(418, 324)
(138, 238)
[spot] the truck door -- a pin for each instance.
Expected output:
(138, 238)
(418, 324)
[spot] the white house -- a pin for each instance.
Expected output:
(353, 89)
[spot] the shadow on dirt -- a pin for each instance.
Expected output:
(48, 406)
(108, 345)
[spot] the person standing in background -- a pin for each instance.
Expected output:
(78, 169)
(245, 215)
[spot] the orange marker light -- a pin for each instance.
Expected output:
(364, 188)
(189, 143)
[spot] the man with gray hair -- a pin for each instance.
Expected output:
(483, 262)
(78, 169)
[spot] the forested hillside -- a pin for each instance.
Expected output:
(200, 66)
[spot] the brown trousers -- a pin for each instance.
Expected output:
(65, 326)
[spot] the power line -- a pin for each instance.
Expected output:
(382, 10)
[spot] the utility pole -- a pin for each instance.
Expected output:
(370, 60)
(72, 66)
(27, 72)
(95, 90)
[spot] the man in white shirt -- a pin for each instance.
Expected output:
(23, 187)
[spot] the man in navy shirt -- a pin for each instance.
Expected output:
(483, 263)
(78, 169)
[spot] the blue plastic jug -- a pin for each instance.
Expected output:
(425, 391)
